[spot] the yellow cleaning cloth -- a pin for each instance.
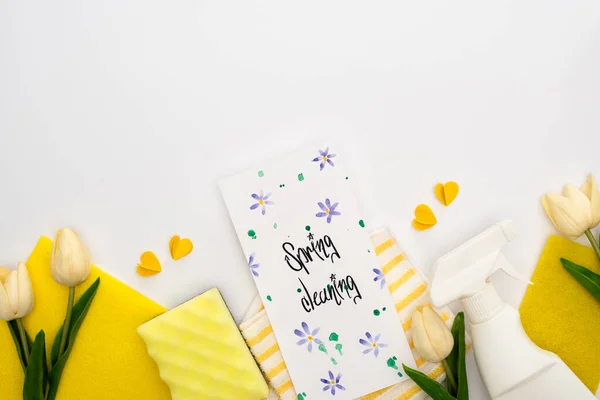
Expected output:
(109, 360)
(410, 292)
(559, 315)
(201, 354)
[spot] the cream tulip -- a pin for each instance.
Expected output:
(16, 293)
(590, 189)
(571, 212)
(432, 338)
(69, 261)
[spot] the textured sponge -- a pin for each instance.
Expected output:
(559, 315)
(201, 354)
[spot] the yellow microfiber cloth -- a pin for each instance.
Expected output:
(109, 359)
(559, 315)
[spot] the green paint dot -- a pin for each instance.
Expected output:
(383, 308)
(333, 337)
(275, 225)
(300, 177)
(391, 362)
(361, 223)
(345, 287)
(307, 227)
(323, 348)
(376, 312)
(333, 361)
(252, 234)
(261, 174)
(338, 347)
(282, 185)
(400, 374)
(269, 298)
(368, 251)
(298, 290)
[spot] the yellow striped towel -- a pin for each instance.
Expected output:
(409, 289)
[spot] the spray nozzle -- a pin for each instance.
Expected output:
(464, 271)
(503, 264)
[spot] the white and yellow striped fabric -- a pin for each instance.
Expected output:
(409, 290)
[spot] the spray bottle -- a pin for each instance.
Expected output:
(511, 365)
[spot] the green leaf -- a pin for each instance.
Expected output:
(589, 280)
(80, 310)
(458, 331)
(429, 386)
(36, 374)
(56, 346)
(80, 306)
(453, 356)
(14, 332)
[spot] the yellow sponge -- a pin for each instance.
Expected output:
(559, 315)
(201, 354)
(109, 360)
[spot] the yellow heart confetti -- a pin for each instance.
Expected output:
(447, 192)
(149, 265)
(419, 226)
(424, 215)
(424, 218)
(180, 247)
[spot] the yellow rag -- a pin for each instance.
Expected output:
(109, 359)
(409, 290)
(559, 315)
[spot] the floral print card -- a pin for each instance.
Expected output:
(307, 247)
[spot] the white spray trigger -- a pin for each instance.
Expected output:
(464, 272)
(503, 264)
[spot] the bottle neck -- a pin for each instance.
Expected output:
(483, 306)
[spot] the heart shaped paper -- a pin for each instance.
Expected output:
(447, 192)
(424, 218)
(424, 215)
(180, 247)
(149, 265)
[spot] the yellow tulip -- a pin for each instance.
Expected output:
(16, 293)
(571, 212)
(590, 189)
(69, 261)
(432, 338)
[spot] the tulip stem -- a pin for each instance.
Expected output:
(24, 341)
(593, 241)
(450, 377)
(67, 324)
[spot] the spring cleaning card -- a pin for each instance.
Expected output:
(306, 245)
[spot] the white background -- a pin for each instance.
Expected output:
(117, 118)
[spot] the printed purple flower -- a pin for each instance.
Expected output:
(262, 201)
(323, 158)
(328, 210)
(379, 277)
(308, 336)
(372, 343)
(253, 266)
(332, 383)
